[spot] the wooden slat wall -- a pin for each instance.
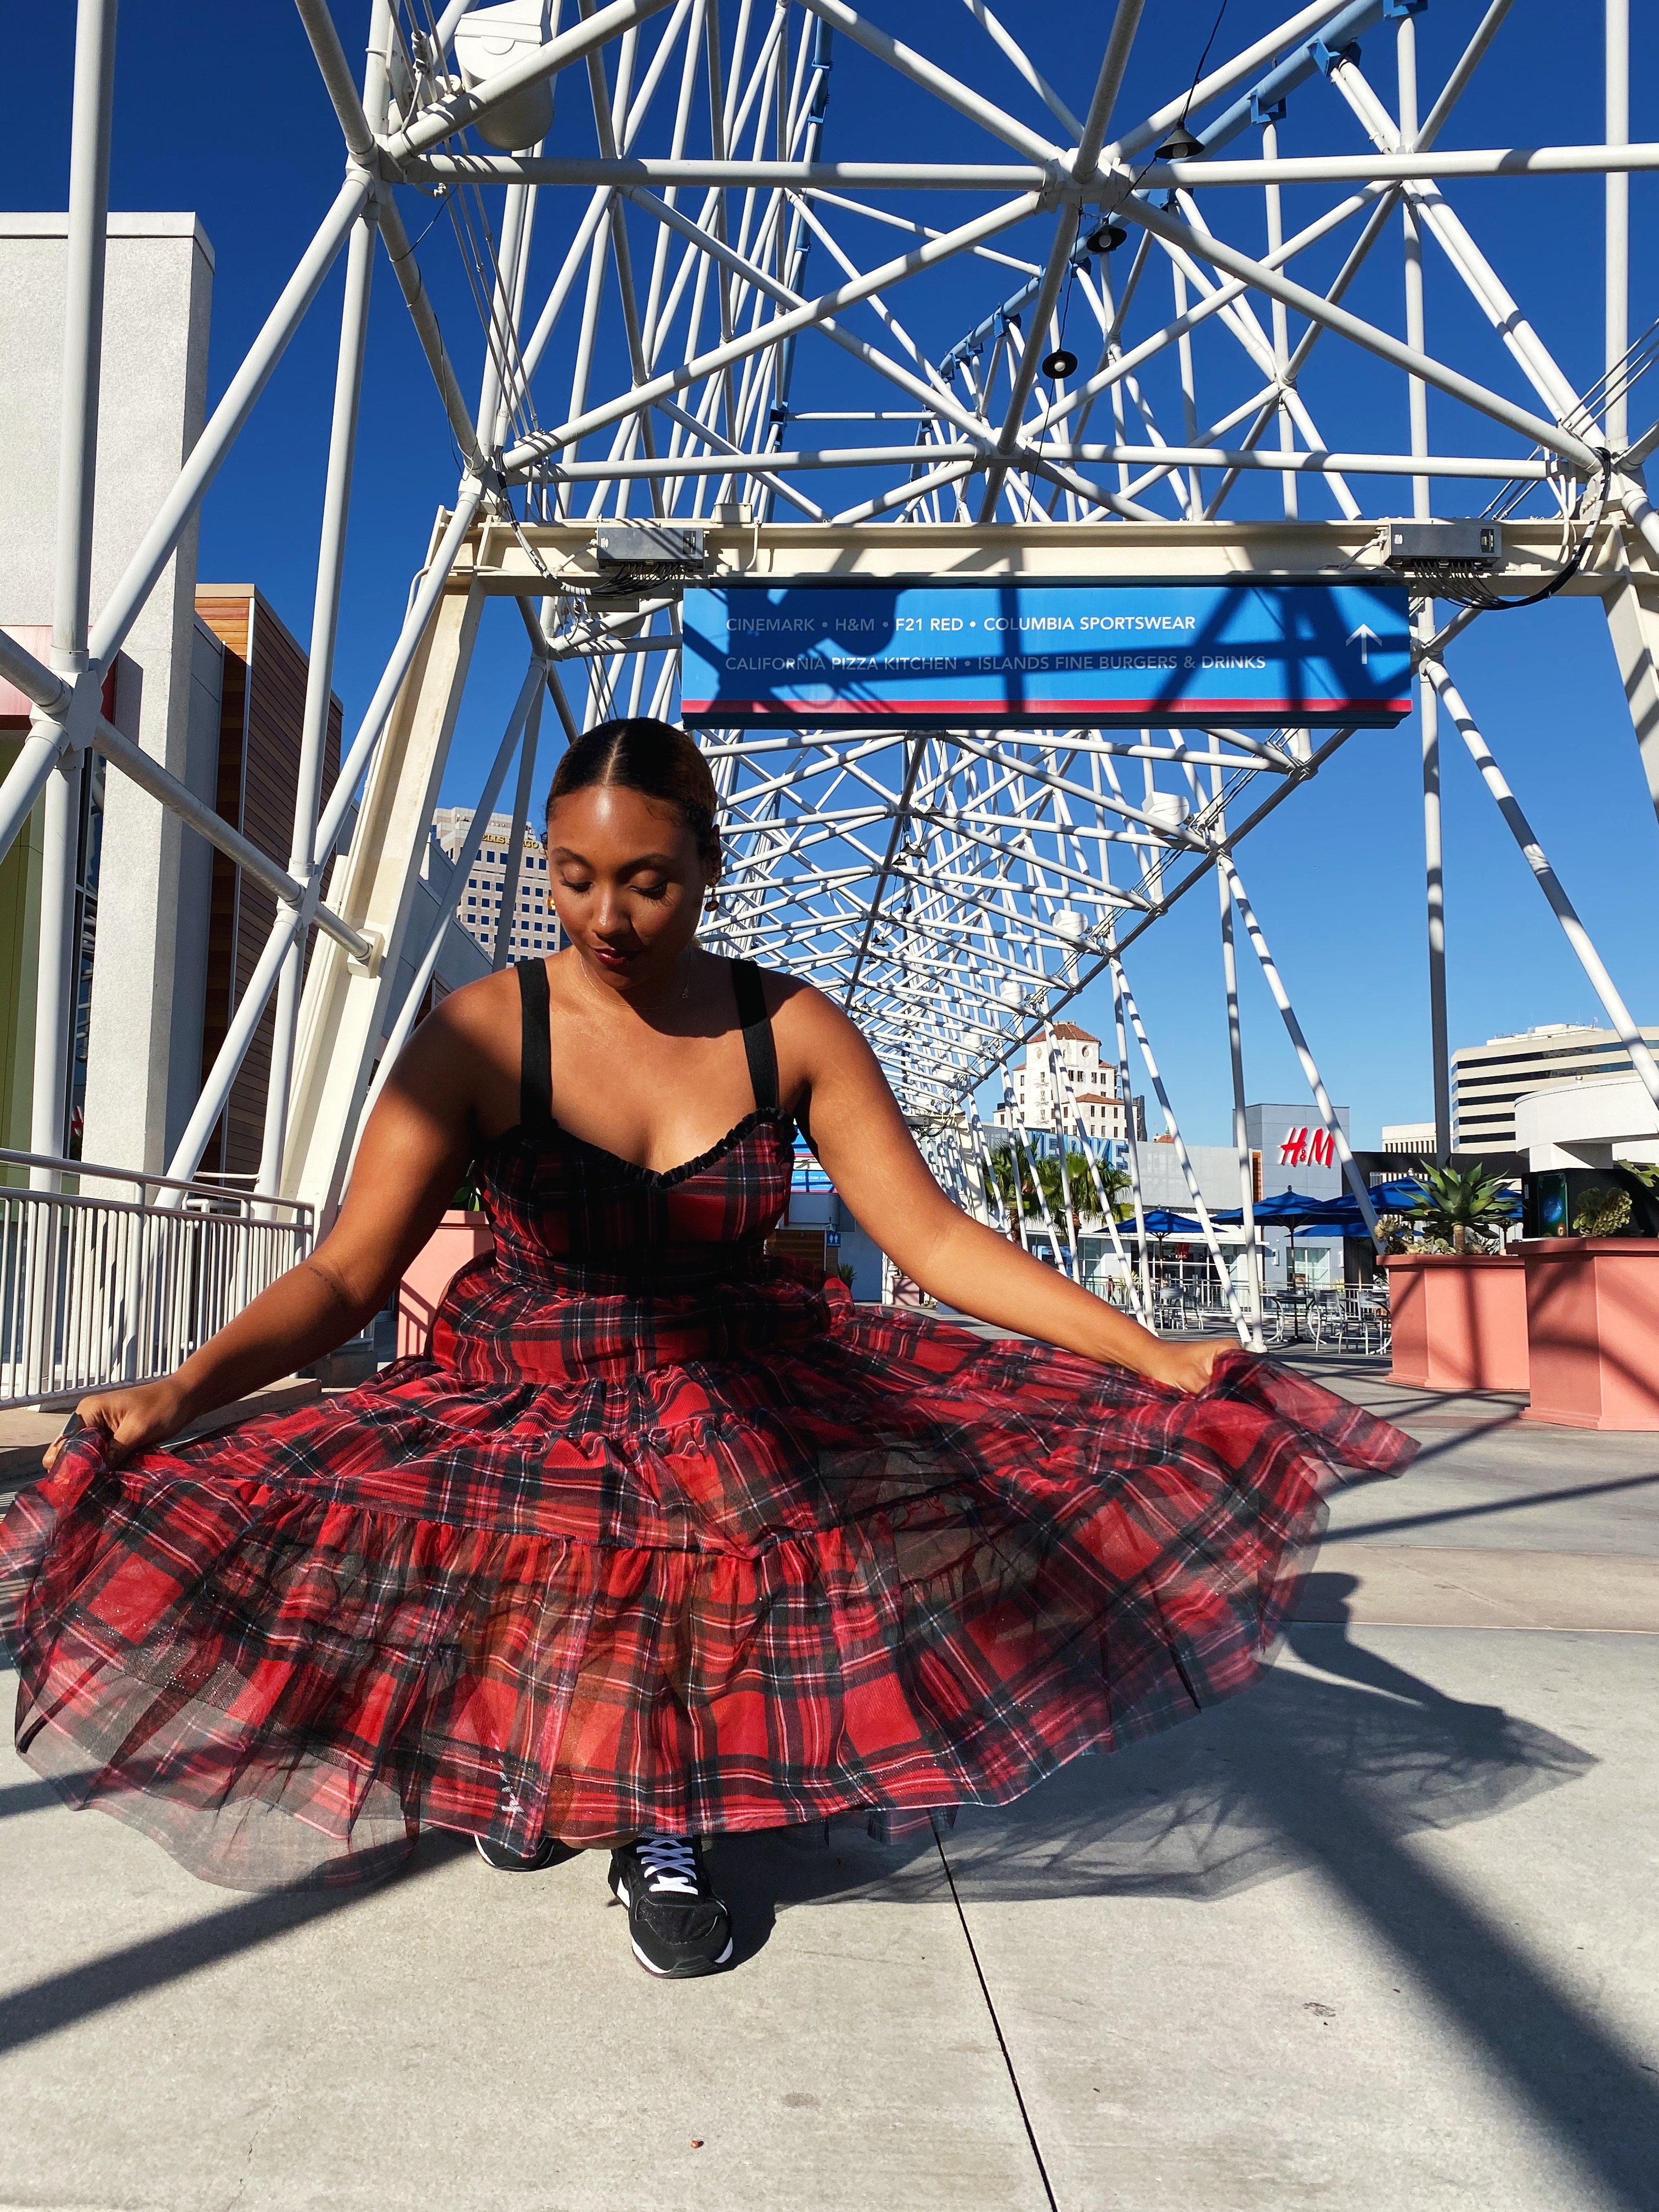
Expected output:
(259, 732)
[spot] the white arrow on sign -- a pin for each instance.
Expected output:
(1368, 637)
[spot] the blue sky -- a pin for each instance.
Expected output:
(220, 110)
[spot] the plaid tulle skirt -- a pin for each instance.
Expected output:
(656, 1536)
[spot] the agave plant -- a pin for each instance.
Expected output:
(1461, 1203)
(1602, 1213)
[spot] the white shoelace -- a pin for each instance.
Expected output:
(670, 1865)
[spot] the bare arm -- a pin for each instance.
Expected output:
(413, 1154)
(871, 1158)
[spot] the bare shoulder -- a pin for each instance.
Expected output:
(803, 1016)
(477, 1014)
(468, 1043)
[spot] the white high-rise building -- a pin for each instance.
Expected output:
(1063, 1072)
(532, 927)
(1487, 1079)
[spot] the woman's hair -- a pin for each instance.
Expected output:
(653, 758)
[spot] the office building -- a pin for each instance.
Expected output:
(1413, 1139)
(130, 1059)
(1060, 1081)
(532, 927)
(1487, 1079)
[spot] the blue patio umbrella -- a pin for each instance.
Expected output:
(1284, 1209)
(1163, 1221)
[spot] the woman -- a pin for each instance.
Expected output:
(658, 1540)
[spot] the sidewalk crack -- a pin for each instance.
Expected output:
(1002, 2040)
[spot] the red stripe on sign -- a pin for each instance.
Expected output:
(968, 710)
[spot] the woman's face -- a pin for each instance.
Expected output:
(628, 884)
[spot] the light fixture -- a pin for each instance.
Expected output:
(1059, 363)
(1106, 237)
(1181, 146)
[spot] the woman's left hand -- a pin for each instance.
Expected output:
(1186, 1366)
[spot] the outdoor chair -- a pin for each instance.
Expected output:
(1274, 1327)
(1327, 1318)
(1365, 1328)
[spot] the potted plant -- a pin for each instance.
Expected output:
(1457, 1300)
(464, 1235)
(1593, 1310)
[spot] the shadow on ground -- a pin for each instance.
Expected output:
(1200, 1813)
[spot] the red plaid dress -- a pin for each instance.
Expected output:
(657, 1536)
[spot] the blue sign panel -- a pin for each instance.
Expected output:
(1038, 654)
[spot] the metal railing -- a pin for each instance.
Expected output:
(121, 1284)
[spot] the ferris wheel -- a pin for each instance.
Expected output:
(784, 300)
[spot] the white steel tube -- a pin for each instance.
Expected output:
(1208, 247)
(83, 324)
(1617, 188)
(1534, 358)
(1352, 326)
(135, 763)
(525, 708)
(1414, 166)
(461, 109)
(19, 667)
(320, 672)
(369, 731)
(1120, 983)
(1107, 83)
(77, 463)
(1333, 1129)
(1244, 64)
(1577, 936)
(811, 313)
(215, 1091)
(1241, 1124)
(1417, 394)
(620, 172)
(1452, 91)
(1493, 468)
(55, 966)
(19, 794)
(1434, 884)
(210, 450)
(531, 717)
(943, 85)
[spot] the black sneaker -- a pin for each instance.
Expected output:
(506, 1862)
(678, 1926)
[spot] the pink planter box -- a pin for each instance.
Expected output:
(457, 1239)
(1459, 1323)
(1593, 1318)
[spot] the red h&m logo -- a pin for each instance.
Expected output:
(1307, 1148)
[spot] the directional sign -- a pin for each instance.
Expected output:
(1043, 654)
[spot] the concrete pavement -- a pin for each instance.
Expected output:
(1380, 1935)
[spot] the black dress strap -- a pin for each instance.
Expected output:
(535, 1061)
(757, 1044)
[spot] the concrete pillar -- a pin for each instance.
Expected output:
(159, 285)
(373, 885)
(1633, 625)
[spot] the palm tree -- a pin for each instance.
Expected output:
(1041, 1184)
(1462, 1202)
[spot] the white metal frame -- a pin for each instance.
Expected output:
(954, 888)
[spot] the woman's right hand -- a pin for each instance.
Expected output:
(141, 1414)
